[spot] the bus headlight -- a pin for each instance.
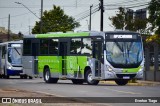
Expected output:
(109, 68)
(10, 68)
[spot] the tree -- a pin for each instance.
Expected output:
(55, 21)
(125, 20)
(154, 15)
(119, 20)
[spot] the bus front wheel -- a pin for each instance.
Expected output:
(88, 78)
(121, 82)
(47, 77)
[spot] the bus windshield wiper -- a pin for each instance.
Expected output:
(17, 51)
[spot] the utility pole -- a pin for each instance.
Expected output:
(102, 10)
(41, 22)
(90, 17)
(29, 30)
(8, 27)
(40, 30)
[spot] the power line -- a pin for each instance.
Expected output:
(125, 2)
(17, 15)
(85, 12)
(128, 6)
(87, 15)
(45, 6)
(116, 5)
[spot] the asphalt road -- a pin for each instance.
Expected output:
(65, 88)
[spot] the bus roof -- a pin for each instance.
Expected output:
(70, 34)
(18, 41)
(75, 34)
(120, 32)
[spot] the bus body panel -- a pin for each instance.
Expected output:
(28, 65)
(73, 66)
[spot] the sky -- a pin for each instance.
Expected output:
(22, 20)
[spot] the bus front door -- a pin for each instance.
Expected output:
(97, 54)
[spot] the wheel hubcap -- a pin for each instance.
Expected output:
(90, 77)
(47, 75)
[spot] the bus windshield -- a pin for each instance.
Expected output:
(15, 56)
(128, 54)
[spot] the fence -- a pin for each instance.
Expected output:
(152, 62)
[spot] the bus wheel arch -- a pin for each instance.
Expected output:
(44, 69)
(86, 69)
(88, 76)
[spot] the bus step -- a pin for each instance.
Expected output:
(63, 77)
(97, 78)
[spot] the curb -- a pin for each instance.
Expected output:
(137, 83)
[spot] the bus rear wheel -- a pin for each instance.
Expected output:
(77, 81)
(88, 78)
(47, 77)
(121, 82)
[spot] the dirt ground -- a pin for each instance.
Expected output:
(11, 92)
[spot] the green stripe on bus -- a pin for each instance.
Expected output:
(62, 35)
(131, 70)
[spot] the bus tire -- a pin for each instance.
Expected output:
(121, 82)
(21, 76)
(0, 76)
(77, 81)
(88, 78)
(6, 76)
(25, 76)
(47, 77)
(30, 77)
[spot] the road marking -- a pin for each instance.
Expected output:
(123, 91)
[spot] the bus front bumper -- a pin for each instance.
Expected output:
(14, 72)
(113, 75)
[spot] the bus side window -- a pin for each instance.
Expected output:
(53, 46)
(87, 46)
(75, 46)
(27, 47)
(44, 46)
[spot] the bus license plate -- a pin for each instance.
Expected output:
(126, 77)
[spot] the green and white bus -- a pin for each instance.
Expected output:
(84, 56)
